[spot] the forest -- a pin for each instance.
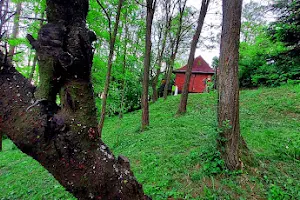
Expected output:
(98, 99)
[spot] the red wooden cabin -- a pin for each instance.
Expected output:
(201, 73)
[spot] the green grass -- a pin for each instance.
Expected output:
(21, 177)
(176, 158)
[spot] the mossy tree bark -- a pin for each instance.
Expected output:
(228, 108)
(64, 139)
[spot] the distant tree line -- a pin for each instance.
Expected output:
(269, 53)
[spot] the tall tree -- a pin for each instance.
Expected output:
(188, 73)
(175, 45)
(253, 16)
(151, 4)
(287, 26)
(228, 105)
(215, 65)
(113, 35)
(164, 29)
(156, 68)
(5, 17)
(123, 85)
(64, 140)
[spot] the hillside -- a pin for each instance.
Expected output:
(176, 157)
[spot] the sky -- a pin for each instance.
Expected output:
(213, 19)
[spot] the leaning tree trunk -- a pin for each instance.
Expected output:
(228, 109)
(64, 139)
(144, 100)
(188, 73)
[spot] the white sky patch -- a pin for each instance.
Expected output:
(214, 18)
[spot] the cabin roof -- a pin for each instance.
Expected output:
(200, 66)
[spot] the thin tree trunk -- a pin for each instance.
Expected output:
(64, 140)
(4, 18)
(168, 77)
(145, 103)
(35, 56)
(124, 70)
(174, 53)
(188, 73)
(169, 19)
(216, 79)
(156, 76)
(15, 29)
(154, 85)
(109, 68)
(228, 108)
(32, 68)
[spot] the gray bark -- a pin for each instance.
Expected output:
(228, 108)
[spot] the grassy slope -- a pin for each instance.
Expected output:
(176, 157)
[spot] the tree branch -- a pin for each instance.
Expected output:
(34, 18)
(107, 16)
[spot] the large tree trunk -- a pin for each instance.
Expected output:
(64, 140)
(15, 28)
(228, 109)
(145, 103)
(109, 67)
(188, 73)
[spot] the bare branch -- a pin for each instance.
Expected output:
(107, 16)
(34, 18)
(136, 1)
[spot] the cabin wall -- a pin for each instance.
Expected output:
(197, 82)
